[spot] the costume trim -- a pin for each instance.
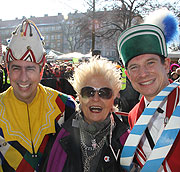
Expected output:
(138, 130)
(13, 133)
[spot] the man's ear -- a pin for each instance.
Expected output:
(42, 68)
(41, 73)
(167, 64)
(6, 66)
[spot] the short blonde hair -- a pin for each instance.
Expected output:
(100, 67)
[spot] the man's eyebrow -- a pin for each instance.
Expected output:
(14, 66)
(131, 65)
(21, 66)
(134, 64)
(30, 67)
(152, 58)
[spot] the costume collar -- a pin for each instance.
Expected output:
(28, 124)
(146, 102)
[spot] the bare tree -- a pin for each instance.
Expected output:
(126, 13)
(76, 32)
(111, 20)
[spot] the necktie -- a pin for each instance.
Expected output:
(148, 134)
(149, 138)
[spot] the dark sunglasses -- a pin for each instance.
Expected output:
(104, 93)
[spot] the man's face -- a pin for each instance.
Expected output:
(148, 75)
(24, 77)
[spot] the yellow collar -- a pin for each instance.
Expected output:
(28, 123)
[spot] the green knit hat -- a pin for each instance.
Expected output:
(141, 39)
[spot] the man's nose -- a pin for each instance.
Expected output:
(143, 71)
(23, 75)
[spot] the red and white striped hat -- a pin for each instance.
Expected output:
(26, 44)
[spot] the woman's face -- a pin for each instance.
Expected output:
(96, 108)
(175, 76)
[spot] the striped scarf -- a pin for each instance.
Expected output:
(140, 155)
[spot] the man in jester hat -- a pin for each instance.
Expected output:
(154, 141)
(30, 114)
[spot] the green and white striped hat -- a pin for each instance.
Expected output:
(141, 39)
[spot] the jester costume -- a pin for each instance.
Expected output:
(28, 130)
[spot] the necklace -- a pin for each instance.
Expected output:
(92, 150)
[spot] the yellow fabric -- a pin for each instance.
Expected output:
(123, 79)
(4, 78)
(13, 157)
(28, 124)
(75, 60)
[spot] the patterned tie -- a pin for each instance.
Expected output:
(149, 138)
(148, 134)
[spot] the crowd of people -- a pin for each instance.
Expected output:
(95, 116)
(57, 75)
(174, 71)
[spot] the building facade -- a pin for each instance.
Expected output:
(60, 34)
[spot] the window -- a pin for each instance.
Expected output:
(58, 28)
(53, 28)
(46, 37)
(58, 36)
(58, 44)
(52, 37)
(52, 45)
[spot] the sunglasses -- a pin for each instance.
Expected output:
(104, 93)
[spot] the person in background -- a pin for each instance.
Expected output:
(62, 70)
(129, 97)
(96, 53)
(1, 78)
(178, 73)
(6, 81)
(47, 74)
(154, 141)
(57, 82)
(92, 140)
(174, 76)
(68, 73)
(30, 114)
(178, 62)
(57, 73)
(173, 67)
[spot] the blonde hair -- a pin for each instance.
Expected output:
(100, 67)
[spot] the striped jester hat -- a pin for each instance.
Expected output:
(26, 44)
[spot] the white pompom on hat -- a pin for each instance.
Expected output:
(159, 29)
(26, 44)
